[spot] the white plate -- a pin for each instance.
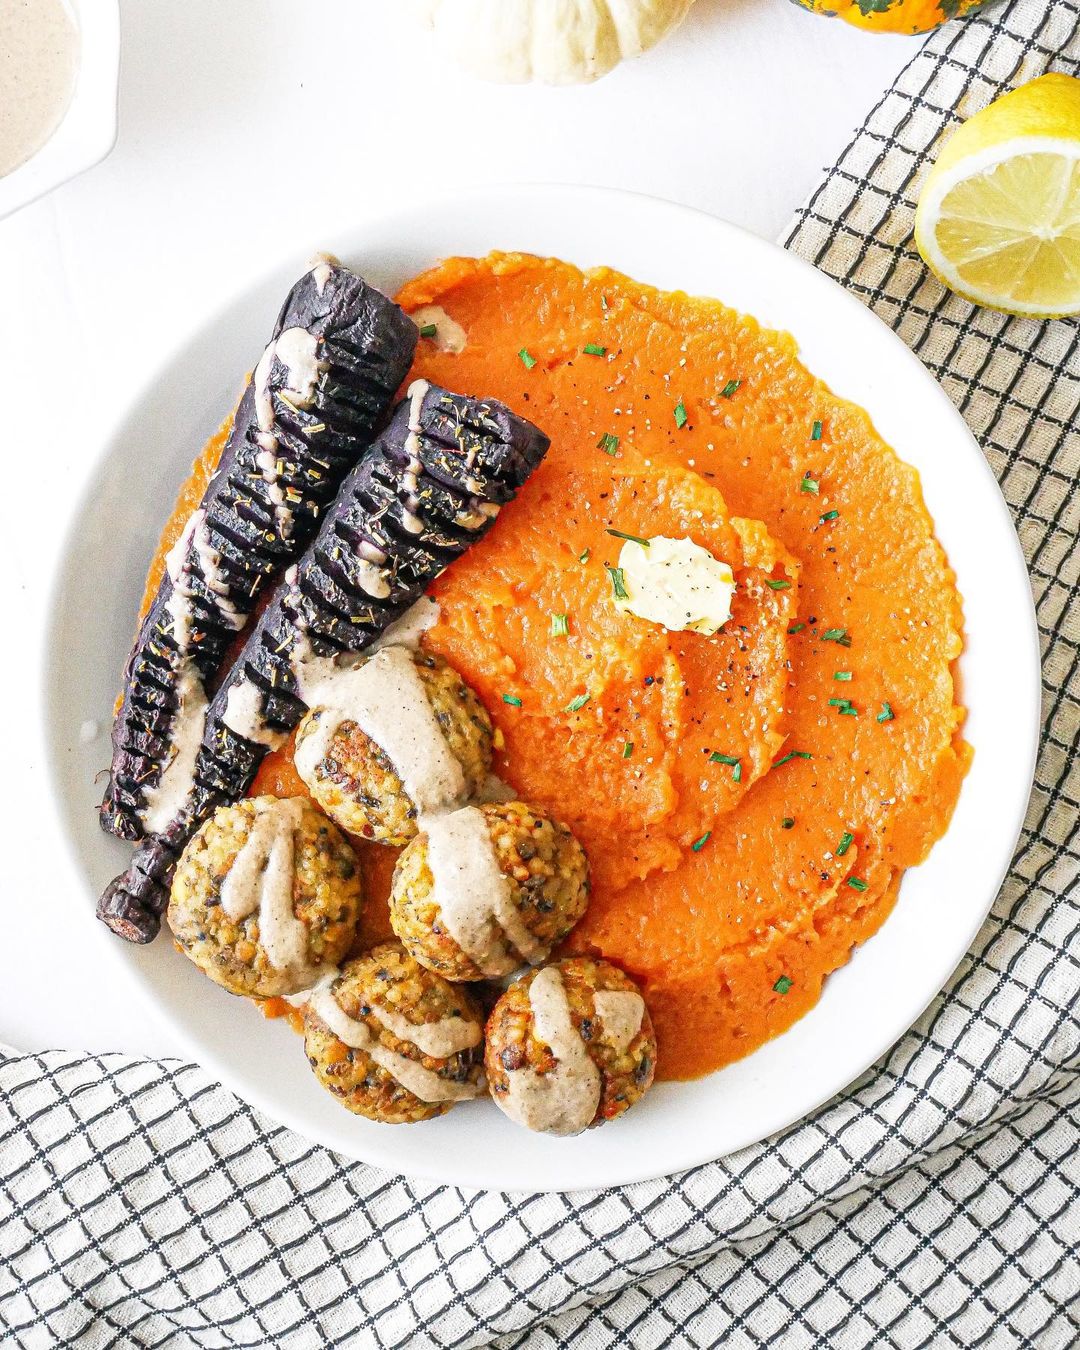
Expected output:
(869, 1003)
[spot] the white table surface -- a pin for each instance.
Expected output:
(248, 130)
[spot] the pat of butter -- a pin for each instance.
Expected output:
(676, 583)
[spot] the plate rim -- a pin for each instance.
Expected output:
(370, 1148)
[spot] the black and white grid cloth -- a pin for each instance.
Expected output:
(934, 1204)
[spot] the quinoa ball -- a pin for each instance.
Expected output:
(356, 784)
(393, 1041)
(604, 1052)
(538, 863)
(222, 907)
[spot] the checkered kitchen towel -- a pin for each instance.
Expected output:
(933, 1204)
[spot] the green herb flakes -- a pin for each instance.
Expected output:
(856, 883)
(783, 984)
(841, 674)
(730, 388)
(829, 515)
(608, 443)
(618, 582)
(594, 349)
(840, 635)
(793, 754)
(699, 844)
(633, 538)
(560, 625)
(815, 432)
(576, 704)
(527, 358)
(796, 628)
(428, 330)
(777, 584)
(627, 749)
(681, 417)
(717, 758)
(787, 823)
(809, 484)
(886, 714)
(512, 699)
(846, 841)
(584, 556)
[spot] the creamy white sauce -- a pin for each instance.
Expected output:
(474, 895)
(387, 700)
(322, 265)
(421, 1082)
(298, 351)
(440, 1039)
(410, 514)
(565, 1100)
(621, 1012)
(262, 878)
(165, 799)
(449, 335)
(39, 56)
(243, 714)
(677, 584)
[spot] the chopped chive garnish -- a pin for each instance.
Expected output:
(787, 823)
(512, 699)
(815, 432)
(577, 703)
(527, 358)
(618, 582)
(633, 538)
(856, 883)
(608, 443)
(886, 714)
(736, 773)
(584, 556)
(777, 585)
(809, 484)
(849, 711)
(560, 625)
(796, 628)
(793, 754)
(699, 844)
(681, 418)
(717, 758)
(846, 841)
(840, 635)
(603, 302)
(841, 674)
(730, 388)
(594, 349)
(782, 985)
(829, 515)
(428, 330)
(627, 749)
(839, 703)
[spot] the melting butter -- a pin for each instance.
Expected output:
(676, 583)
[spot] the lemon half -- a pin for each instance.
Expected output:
(999, 217)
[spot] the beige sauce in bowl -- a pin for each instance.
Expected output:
(39, 52)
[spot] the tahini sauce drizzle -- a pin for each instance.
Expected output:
(474, 896)
(166, 797)
(39, 54)
(449, 335)
(565, 1100)
(261, 879)
(387, 700)
(421, 1082)
(297, 350)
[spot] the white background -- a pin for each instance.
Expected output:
(249, 130)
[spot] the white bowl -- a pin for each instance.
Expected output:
(866, 1005)
(88, 130)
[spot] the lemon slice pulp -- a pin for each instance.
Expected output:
(999, 218)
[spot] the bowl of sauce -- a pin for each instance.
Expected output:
(59, 68)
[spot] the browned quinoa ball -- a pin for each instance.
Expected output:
(549, 887)
(355, 782)
(325, 899)
(394, 999)
(625, 1067)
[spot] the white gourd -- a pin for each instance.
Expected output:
(552, 41)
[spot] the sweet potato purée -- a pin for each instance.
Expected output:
(729, 889)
